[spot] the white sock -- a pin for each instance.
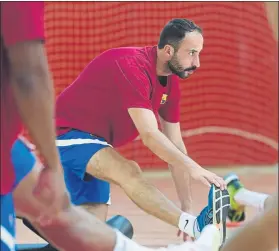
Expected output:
(187, 224)
(125, 244)
(209, 237)
(249, 198)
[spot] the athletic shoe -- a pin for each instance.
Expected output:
(216, 212)
(236, 211)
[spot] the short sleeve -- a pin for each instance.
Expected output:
(134, 84)
(22, 21)
(170, 111)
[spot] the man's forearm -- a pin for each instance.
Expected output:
(35, 100)
(160, 145)
(182, 180)
(173, 153)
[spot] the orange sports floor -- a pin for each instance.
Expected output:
(152, 232)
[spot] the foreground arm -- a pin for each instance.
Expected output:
(22, 26)
(31, 80)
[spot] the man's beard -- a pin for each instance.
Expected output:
(178, 70)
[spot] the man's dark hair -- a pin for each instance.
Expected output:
(175, 31)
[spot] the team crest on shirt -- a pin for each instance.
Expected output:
(164, 99)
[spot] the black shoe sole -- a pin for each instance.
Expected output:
(221, 206)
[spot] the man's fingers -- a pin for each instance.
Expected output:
(221, 182)
(187, 237)
(216, 182)
(214, 179)
(205, 181)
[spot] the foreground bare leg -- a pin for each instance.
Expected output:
(76, 229)
(269, 202)
(98, 210)
(72, 229)
(261, 234)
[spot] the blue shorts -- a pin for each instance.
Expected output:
(7, 223)
(76, 149)
(23, 161)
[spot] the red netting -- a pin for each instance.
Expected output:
(229, 107)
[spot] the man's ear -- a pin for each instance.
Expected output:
(169, 50)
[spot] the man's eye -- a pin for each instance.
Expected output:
(191, 53)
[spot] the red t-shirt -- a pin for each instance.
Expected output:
(20, 21)
(97, 101)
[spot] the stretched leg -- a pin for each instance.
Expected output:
(242, 197)
(108, 165)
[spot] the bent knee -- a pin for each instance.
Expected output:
(110, 166)
(130, 172)
(132, 169)
(125, 173)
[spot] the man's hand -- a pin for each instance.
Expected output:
(206, 177)
(186, 237)
(51, 191)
